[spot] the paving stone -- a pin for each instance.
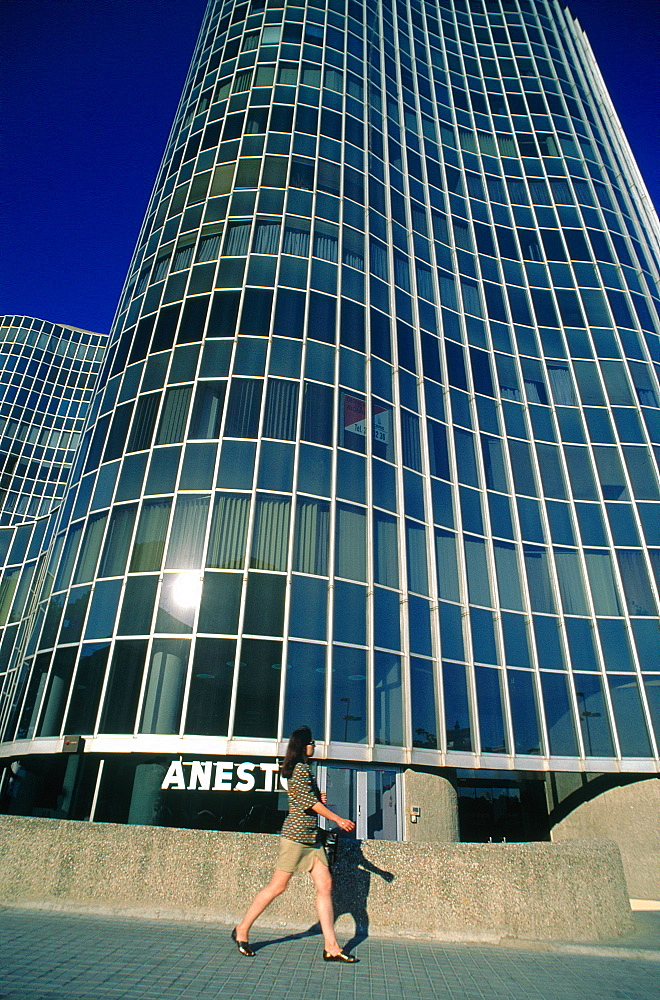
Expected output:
(50, 955)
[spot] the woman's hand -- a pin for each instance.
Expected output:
(347, 825)
(324, 797)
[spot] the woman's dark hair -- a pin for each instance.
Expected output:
(298, 742)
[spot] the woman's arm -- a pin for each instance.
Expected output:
(347, 825)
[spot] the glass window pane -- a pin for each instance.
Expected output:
(264, 604)
(175, 415)
(516, 645)
(423, 704)
(150, 537)
(489, 701)
(275, 466)
(349, 695)
(89, 551)
(314, 469)
(603, 587)
(304, 702)
(350, 551)
(386, 550)
(86, 690)
(138, 605)
(243, 408)
(163, 470)
(508, 577)
(388, 708)
(74, 615)
(538, 579)
(163, 697)
(647, 641)
(118, 541)
(68, 558)
(477, 571)
(123, 689)
(308, 612)
(419, 626)
(629, 717)
(593, 715)
(549, 651)
(228, 531)
(350, 613)
(179, 597)
(220, 605)
(103, 610)
(558, 715)
(186, 545)
(210, 687)
(637, 590)
(614, 643)
(207, 410)
(571, 586)
(281, 414)
(311, 537)
(523, 712)
(271, 533)
(457, 710)
(387, 627)
(258, 694)
(416, 550)
(57, 692)
(652, 687)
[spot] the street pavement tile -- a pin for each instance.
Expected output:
(56, 955)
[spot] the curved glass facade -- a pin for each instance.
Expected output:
(376, 444)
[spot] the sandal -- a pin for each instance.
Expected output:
(242, 946)
(340, 957)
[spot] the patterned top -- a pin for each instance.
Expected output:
(301, 823)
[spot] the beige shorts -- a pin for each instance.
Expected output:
(295, 857)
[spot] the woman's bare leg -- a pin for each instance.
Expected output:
(264, 898)
(322, 878)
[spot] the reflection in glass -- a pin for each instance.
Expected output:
(307, 617)
(457, 710)
(348, 722)
(558, 715)
(118, 540)
(210, 687)
(161, 710)
(304, 697)
(593, 715)
(270, 538)
(123, 688)
(186, 545)
(388, 708)
(150, 538)
(138, 605)
(258, 693)
(629, 716)
(86, 691)
(489, 702)
(524, 714)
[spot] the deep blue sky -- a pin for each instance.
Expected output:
(89, 89)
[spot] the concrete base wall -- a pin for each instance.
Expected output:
(570, 891)
(630, 816)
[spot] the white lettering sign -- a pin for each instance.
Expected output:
(223, 776)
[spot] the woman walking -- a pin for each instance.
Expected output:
(300, 849)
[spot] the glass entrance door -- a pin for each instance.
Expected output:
(369, 797)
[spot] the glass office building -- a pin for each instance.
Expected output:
(376, 443)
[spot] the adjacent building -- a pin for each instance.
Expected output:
(375, 447)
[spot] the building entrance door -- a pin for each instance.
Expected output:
(369, 797)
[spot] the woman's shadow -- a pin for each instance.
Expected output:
(351, 881)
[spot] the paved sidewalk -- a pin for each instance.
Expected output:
(55, 955)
